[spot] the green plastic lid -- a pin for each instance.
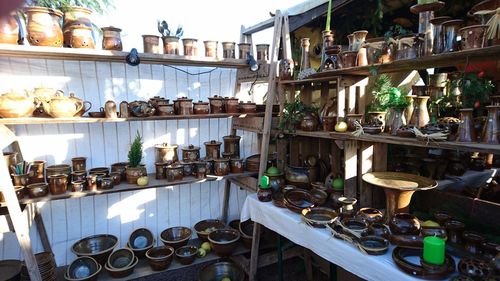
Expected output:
(264, 182)
(273, 171)
(338, 184)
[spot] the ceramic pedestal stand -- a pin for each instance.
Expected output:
(425, 15)
(398, 189)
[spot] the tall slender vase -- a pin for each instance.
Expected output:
(466, 132)
(420, 116)
(304, 61)
(396, 120)
(490, 133)
(409, 109)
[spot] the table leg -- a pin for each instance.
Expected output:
(225, 202)
(333, 272)
(280, 257)
(308, 264)
(254, 255)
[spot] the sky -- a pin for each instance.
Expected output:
(219, 20)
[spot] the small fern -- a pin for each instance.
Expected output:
(135, 153)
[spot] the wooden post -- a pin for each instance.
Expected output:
(225, 202)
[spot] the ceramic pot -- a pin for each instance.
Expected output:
(170, 45)
(14, 105)
(300, 177)
(79, 163)
(58, 184)
(248, 107)
(329, 123)
(9, 30)
(133, 173)
(466, 131)
(92, 182)
(201, 107)
(166, 109)
(117, 177)
(380, 51)
(370, 215)
(305, 62)
(229, 50)
(216, 104)
(58, 169)
(79, 175)
(111, 39)
(209, 162)
(349, 58)
(232, 145)
(377, 118)
(286, 69)
(20, 190)
(420, 116)
(44, 26)
(309, 122)
(187, 168)
(404, 224)
(21, 179)
(438, 36)
(60, 106)
(151, 44)
(237, 165)
(395, 120)
(78, 186)
(351, 120)
(175, 173)
(212, 149)
(166, 153)
(73, 17)
(232, 105)
(243, 50)
(451, 31)
(221, 167)
(210, 48)
(120, 167)
(191, 153)
(107, 183)
(454, 230)
(409, 47)
(473, 37)
(80, 37)
(200, 169)
(359, 39)
(183, 106)
(276, 181)
(37, 171)
(347, 210)
(160, 172)
(262, 51)
(190, 47)
(491, 129)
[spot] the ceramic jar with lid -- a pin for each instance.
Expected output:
(190, 153)
(201, 107)
(183, 106)
(232, 145)
(276, 178)
(160, 170)
(232, 105)
(248, 107)
(265, 193)
(209, 163)
(187, 168)
(111, 39)
(237, 165)
(212, 149)
(120, 167)
(175, 172)
(221, 167)
(166, 153)
(216, 104)
(200, 169)
(166, 109)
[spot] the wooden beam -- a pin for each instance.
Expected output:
(225, 202)
(40, 226)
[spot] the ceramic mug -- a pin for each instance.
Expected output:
(58, 184)
(110, 109)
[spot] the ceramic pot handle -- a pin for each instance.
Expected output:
(87, 109)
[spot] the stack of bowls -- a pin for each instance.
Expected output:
(140, 241)
(98, 247)
(121, 263)
(204, 227)
(83, 269)
(46, 266)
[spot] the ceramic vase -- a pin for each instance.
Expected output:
(9, 30)
(359, 39)
(409, 109)
(170, 45)
(304, 61)
(490, 133)
(438, 34)
(396, 120)
(420, 116)
(44, 26)
(74, 18)
(377, 118)
(466, 132)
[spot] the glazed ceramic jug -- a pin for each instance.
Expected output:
(44, 26)
(9, 29)
(359, 39)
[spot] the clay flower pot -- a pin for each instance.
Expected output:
(133, 173)
(170, 45)
(74, 19)
(151, 44)
(9, 30)
(473, 37)
(43, 26)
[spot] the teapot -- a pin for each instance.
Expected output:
(84, 109)
(60, 106)
(15, 105)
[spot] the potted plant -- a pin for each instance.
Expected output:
(134, 169)
(170, 39)
(380, 98)
(295, 113)
(396, 103)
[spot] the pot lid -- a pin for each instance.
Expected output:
(232, 98)
(191, 148)
(212, 142)
(201, 103)
(175, 166)
(231, 137)
(111, 28)
(165, 145)
(216, 97)
(221, 160)
(184, 99)
(273, 171)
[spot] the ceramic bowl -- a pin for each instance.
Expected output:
(319, 216)
(176, 237)
(370, 215)
(121, 258)
(404, 223)
(246, 232)
(140, 241)
(473, 267)
(83, 268)
(97, 114)
(186, 254)
(279, 200)
(36, 190)
(159, 258)
(234, 224)
(378, 229)
(98, 247)
(224, 241)
(123, 271)
(318, 196)
(204, 227)
(433, 231)
(372, 130)
(298, 199)
(221, 270)
(374, 245)
(355, 225)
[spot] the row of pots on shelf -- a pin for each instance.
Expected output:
(53, 103)
(213, 234)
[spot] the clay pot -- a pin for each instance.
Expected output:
(473, 37)
(352, 119)
(75, 16)
(133, 173)
(210, 48)
(37, 171)
(451, 31)
(404, 224)
(349, 58)
(409, 47)
(9, 30)
(80, 37)
(232, 105)
(107, 183)
(92, 182)
(212, 149)
(216, 104)
(248, 107)
(117, 177)
(491, 129)
(165, 109)
(44, 26)
(190, 47)
(58, 184)
(111, 39)
(370, 215)
(170, 45)
(191, 153)
(20, 190)
(78, 186)
(309, 122)
(166, 153)
(262, 51)
(237, 165)
(300, 177)
(200, 169)
(380, 51)
(21, 179)
(276, 181)
(151, 44)
(13, 105)
(201, 107)
(221, 167)
(79, 163)
(466, 131)
(175, 173)
(79, 175)
(228, 50)
(438, 34)
(160, 172)
(119, 167)
(286, 69)
(59, 169)
(329, 123)
(232, 145)
(183, 106)
(359, 39)
(243, 50)
(420, 116)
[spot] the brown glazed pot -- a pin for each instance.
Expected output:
(37, 174)
(160, 172)
(190, 46)
(224, 241)
(58, 184)
(80, 37)
(75, 17)
(120, 167)
(92, 182)
(232, 105)
(159, 258)
(58, 169)
(165, 109)
(43, 26)
(21, 179)
(170, 45)
(79, 175)
(201, 107)
(9, 30)
(473, 37)
(200, 169)
(228, 50)
(216, 104)
(309, 122)
(329, 123)
(111, 39)
(191, 153)
(151, 44)
(221, 167)
(232, 145)
(212, 149)
(248, 107)
(186, 254)
(166, 153)
(79, 163)
(404, 223)
(133, 173)
(36, 190)
(210, 48)
(349, 58)
(237, 165)
(175, 172)
(183, 106)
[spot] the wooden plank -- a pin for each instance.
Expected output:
(246, 75)
(366, 158)
(351, 167)
(25, 51)
(248, 183)
(254, 256)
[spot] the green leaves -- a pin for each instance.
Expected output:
(293, 113)
(135, 152)
(99, 6)
(475, 89)
(386, 96)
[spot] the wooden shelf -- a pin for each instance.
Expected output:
(442, 60)
(386, 138)
(113, 56)
(124, 187)
(48, 120)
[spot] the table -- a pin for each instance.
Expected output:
(321, 242)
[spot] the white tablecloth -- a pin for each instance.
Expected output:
(321, 242)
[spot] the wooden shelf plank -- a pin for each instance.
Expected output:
(386, 138)
(248, 183)
(48, 120)
(442, 60)
(8, 50)
(124, 187)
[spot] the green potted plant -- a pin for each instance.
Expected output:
(377, 109)
(294, 113)
(170, 38)
(134, 169)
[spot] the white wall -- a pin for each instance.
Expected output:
(69, 220)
